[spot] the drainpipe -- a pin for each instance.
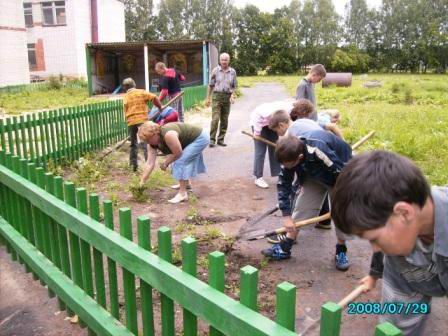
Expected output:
(94, 20)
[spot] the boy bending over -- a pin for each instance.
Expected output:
(317, 161)
(384, 198)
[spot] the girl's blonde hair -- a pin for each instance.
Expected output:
(147, 130)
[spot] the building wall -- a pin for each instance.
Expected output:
(64, 45)
(58, 42)
(13, 51)
(83, 34)
(111, 22)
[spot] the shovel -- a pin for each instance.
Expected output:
(261, 234)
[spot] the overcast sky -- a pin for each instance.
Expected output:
(270, 5)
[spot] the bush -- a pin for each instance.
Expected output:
(244, 67)
(54, 83)
(351, 60)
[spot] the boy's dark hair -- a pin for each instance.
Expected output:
(319, 69)
(370, 185)
(288, 149)
(302, 109)
(280, 116)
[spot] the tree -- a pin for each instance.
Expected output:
(356, 16)
(140, 21)
(250, 26)
(320, 31)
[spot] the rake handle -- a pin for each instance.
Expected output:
(256, 137)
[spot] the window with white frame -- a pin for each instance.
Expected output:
(28, 11)
(53, 13)
(32, 56)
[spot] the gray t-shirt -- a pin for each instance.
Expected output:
(426, 267)
(306, 90)
(301, 127)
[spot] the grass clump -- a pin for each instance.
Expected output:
(137, 190)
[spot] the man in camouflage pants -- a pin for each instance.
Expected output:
(223, 84)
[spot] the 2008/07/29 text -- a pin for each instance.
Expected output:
(393, 308)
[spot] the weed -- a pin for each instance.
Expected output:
(182, 227)
(137, 190)
(115, 199)
(177, 255)
(395, 88)
(54, 168)
(408, 97)
(203, 261)
(89, 170)
(192, 214)
(211, 233)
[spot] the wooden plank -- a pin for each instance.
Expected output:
(167, 304)
(130, 300)
(330, 324)
(23, 137)
(111, 266)
(286, 305)
(62, 234)
(387, 329)
(216, 278)
(249, 287)
(86, 255)
(144, 241)
(97, 256)
(29, 127)
(189, 265)
(17, 141)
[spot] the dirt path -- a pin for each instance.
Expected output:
(224, 199)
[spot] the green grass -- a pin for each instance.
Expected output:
(409, 114)
(16, 103)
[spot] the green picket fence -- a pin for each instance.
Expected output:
(193, 95)
(68, 133)
(55, 230)
(65, 133)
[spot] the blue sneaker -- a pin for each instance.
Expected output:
(341, 261)
(276, 253)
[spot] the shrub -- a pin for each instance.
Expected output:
(351, 60)
(54, 83)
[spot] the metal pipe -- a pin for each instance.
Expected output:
(94, 20)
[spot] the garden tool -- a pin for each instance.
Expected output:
(343, 303)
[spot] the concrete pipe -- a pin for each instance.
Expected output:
(338, 78)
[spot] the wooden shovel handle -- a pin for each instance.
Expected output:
(172, 100)
(306, 222)
(362, 140)
(256, 137)
(352, 296)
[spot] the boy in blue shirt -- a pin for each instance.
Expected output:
(317, 160)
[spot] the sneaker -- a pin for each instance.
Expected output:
(323, 225)
(259, 182)
(278, 239)
(341, 261)
(276, 253)
(221, 143)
